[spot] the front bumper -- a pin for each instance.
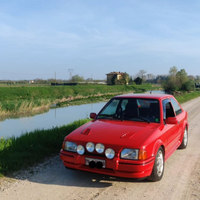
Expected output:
(114, 167)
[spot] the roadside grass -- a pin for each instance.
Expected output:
(31, 148)
(187, 96)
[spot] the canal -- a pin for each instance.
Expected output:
(52, 118)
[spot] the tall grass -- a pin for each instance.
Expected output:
(59, 92)
(25, 99)
(23, 106)
(32, 147)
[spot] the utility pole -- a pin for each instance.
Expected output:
(70, 73)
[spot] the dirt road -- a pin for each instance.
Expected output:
(51, 181)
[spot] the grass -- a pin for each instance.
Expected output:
(32, 147)
(187, 96)
(19, 100)
(59, 92)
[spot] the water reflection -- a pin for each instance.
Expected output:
(156, 92)
(55, 117)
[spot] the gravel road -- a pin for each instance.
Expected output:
(51, 181)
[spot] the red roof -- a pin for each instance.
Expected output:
(115, 73)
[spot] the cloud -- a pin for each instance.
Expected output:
(88, 33)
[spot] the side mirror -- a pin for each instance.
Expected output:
(171, 120)
(93, 115)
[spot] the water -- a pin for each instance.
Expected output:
(156, 92)
(54, 117)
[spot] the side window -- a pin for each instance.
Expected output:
(123, 104)
(177, 108)
(167, 109)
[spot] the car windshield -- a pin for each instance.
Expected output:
(134, 109)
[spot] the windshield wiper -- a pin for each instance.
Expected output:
(104, 115)
(110, 116)
(132, 117)
(143, 119)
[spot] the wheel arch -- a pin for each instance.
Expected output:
(157, 145)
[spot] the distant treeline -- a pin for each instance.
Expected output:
(13, 82)
(69, 84)
(50, 82)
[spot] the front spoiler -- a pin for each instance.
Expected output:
(114, 167)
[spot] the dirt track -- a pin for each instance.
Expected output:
(52, 181)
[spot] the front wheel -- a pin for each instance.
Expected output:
(158, 168)
(184, 140)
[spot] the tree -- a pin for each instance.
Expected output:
(173, 71)
(160, 79)
(188, 86)
(178, 80)
(114, 79)
(181, 78)
(198, 78)
(125, 78)
(142, 75)
(77, 78)
(170, 84)
(138, 81)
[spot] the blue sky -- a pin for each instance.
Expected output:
(95, 37)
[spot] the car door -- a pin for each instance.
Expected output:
(171, 130)
(180, 115)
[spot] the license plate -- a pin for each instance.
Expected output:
(88, 160)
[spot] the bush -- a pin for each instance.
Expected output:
(188, 86)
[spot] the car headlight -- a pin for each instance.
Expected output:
(70, 146)
(130, 154)
(80, 150)
(110, 153)
(90, 146)
(99, 148)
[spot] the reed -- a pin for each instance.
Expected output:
(18, 100)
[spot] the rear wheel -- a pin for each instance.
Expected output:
(185, 140)
(158, 168)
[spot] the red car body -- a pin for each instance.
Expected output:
(139, 146)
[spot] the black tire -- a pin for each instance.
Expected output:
(184, 140)
(158, 168)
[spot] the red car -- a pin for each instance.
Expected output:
(132, 136)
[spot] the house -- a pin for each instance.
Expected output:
(113, 75)
(31, 81)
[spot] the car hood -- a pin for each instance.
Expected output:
(129, 134)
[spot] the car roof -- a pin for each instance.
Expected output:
(145, 96)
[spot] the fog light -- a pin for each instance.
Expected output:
(110, 153)
(90, 146)
(100, 148)
(80, 150)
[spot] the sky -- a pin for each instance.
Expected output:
(90, 38)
